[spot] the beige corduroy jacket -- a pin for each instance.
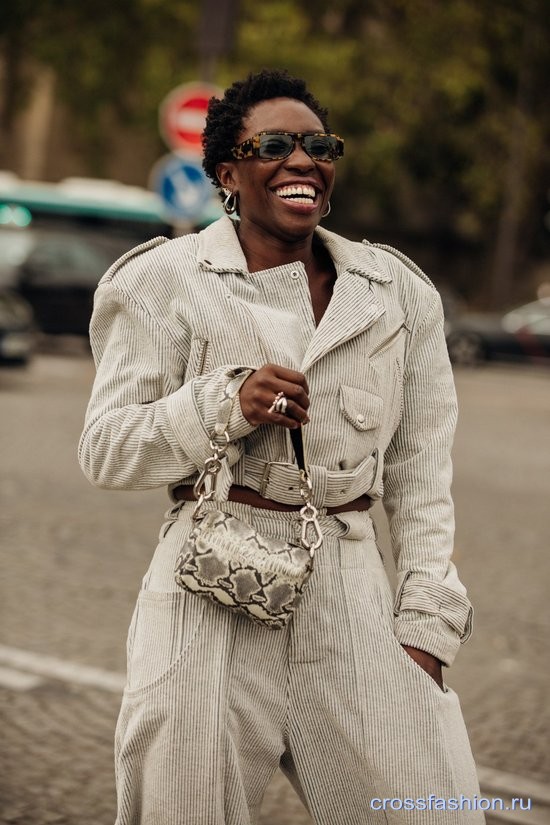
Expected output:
(175, 320)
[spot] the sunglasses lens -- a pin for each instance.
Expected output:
(317, 146)
(322, 147)
(273, 147)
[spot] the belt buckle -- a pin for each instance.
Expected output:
(265, 478)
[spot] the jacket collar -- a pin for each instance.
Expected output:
(352, 256)
(219, 251)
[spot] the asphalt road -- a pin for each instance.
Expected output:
(73, 557)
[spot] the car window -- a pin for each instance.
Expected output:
(38, 257)
(64, 259)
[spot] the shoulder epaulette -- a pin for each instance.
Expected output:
(133, 253)
(404, 260)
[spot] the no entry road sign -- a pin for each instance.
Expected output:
(182, 115)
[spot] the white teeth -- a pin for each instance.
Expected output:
(299, 194)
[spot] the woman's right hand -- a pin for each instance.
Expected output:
(258, 393)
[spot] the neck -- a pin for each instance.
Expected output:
(264, 251)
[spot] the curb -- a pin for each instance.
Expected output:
(507, 786)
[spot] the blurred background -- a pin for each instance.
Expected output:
(444, 110)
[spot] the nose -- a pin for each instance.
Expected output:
(299, 158)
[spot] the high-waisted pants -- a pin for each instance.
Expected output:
(216, 703)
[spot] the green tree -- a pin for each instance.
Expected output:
(443, 104)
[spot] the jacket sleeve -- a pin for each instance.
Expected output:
(432, 612)
(144, 427)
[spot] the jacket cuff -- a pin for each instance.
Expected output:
(432, 617)
(198, 408)
(230, 415)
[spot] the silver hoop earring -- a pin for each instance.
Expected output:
(327, 212)
(230, 202)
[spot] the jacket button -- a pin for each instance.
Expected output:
(294, 274)
(360, 419)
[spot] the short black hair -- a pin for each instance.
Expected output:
(224, 121)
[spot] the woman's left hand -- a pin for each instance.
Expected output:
(427, 662)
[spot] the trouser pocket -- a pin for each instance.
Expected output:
(164, 628)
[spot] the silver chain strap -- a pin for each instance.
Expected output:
(205, 488)
(309, 515)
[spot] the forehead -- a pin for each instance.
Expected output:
(281, 114)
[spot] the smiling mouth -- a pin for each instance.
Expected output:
(297, 194)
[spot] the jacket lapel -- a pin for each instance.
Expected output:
(353, 308)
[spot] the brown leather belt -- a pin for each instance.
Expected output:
(247, 496)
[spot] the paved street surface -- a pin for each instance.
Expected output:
(73, 557)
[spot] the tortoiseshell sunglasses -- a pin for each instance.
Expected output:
(279, 145)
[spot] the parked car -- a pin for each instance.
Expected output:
(521, 334)
(16, 329)
(57, 240)
(57, 273)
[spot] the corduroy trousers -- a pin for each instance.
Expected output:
(215, 703)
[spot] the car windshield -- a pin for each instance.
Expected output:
(54, 256)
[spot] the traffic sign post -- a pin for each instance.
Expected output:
(182, 116)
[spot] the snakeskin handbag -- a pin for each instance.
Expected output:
(229, 562)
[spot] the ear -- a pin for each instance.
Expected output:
(226, 175)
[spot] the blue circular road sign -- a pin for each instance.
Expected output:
(183, 186)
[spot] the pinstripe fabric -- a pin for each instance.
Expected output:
(172, 322)
(213, 702)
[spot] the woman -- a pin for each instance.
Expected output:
(348, 699)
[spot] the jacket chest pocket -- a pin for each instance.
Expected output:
(371, 404)
(364, 413)
(387, 358)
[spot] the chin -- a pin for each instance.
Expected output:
(299, 228)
